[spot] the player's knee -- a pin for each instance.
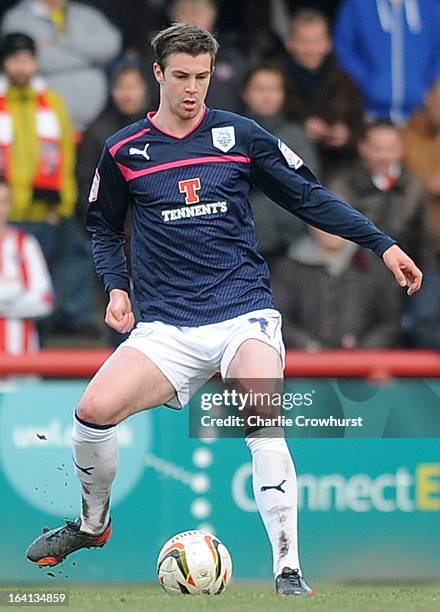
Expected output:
(97, 410)
(256, 359)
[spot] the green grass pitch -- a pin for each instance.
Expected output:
(247, 597)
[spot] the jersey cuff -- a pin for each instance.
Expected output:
(116, 281)
(384, 243)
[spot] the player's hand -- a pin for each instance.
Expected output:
(406, 272)
(119, 315)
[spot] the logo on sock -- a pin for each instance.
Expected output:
(85, 470)
(276, 487)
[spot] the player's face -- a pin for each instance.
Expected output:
(264, 94)
(381, 149)
(21, 67)
(310, 44)
(5, 205)
(184, 83)
(129, 92)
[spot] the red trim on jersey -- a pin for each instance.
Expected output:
(130, 175)
(21, 238)
(115, 148)
(151, 115)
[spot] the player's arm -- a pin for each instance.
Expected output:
(284, 178)
(108, 204)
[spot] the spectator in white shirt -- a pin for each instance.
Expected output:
(25, 285)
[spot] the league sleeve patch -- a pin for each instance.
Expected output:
(292, 159)
(94, 190)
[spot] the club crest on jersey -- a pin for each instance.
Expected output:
(223, 138)
(190, 187)
(292, 159)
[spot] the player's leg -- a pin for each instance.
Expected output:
(127, 383)
(273, 470)
(255, 359)
(274, 477)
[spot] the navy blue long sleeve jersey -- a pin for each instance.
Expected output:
(195, 257)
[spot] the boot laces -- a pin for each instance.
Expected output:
(70, 527)
(292, 575)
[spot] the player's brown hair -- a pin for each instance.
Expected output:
(183, 38)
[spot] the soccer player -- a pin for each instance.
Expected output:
(203, 290)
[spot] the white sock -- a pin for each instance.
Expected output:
(272, 466)
(95, 453)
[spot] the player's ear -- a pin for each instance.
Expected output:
(158, 73)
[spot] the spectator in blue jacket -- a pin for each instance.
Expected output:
(392, 50)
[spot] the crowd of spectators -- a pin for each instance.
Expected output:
(357, 96)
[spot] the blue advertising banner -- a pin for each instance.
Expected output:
(369, 507)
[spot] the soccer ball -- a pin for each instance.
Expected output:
(192, 563)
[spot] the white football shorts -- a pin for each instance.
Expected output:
(190, 356)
